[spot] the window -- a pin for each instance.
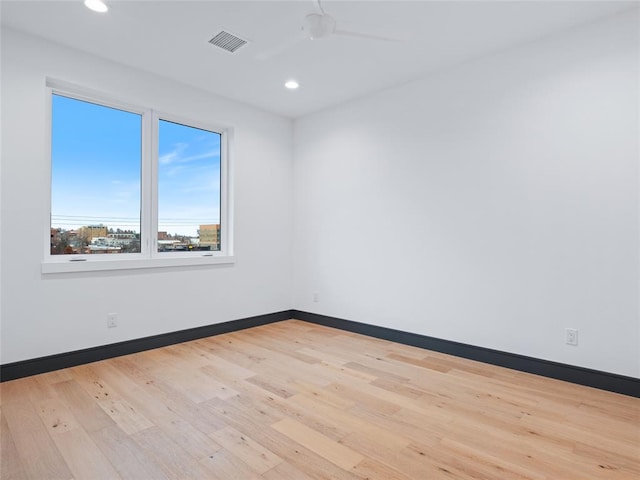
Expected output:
(188, 187)
(96, 165)
(131, 187)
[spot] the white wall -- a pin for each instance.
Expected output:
(493, 204)
(43, 315)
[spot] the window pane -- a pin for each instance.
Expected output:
(96, 154)
(188, 188)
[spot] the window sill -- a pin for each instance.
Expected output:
(91, 265)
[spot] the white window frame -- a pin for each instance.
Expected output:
(148, 257)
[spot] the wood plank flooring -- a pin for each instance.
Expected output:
(293, 400)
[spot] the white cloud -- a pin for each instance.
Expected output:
(176, 155)
(170, 157)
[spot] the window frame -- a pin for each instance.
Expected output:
(148, 257)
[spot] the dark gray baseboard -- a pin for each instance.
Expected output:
(560, 371)
(569, 373)
(25, 368)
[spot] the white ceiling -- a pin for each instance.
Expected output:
(170, 38)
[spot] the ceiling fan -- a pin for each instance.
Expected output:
(320, 25)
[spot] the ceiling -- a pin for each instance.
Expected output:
(170, 38)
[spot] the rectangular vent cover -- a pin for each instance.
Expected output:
(227, 41)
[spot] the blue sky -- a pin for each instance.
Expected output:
(188, 177)
(96, 170)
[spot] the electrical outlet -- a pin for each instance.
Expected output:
(112, 320)
(316, 297)
(571, 336)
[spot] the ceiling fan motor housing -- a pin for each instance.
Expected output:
(318, 25)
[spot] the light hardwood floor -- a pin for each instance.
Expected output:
(293, 400)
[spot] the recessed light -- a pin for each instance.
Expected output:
(96, 5)
(291, 84)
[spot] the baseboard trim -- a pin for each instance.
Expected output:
(582, 376)
(26, 368)
(569, 373)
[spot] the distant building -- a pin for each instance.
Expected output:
(95, 248)
(163, 236)
(92, 231)
(54, 240)
(210, 236)
(169, 245)
(64, 241)
(103, 245)
(119, 239)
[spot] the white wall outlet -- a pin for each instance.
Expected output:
(112, 320)
(316, 297)
(571, 336)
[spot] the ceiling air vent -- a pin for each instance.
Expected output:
(227, 41)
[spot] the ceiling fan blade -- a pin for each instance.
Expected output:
(367, 36)
(280, 49)
(318, 5)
